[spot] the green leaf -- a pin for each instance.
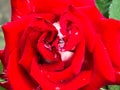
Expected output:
(114, 11)
(114, 87)
(1, 67)
(2, 42)
(2, 80)
(1, 88)
(103, 6)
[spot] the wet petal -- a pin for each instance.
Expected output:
(21, 8)
(78, 58)
(102, 61)
(13, 31)
(29, 50)
(96, 82)
(38, 74)
(16, 74)
(65, 74)
(79, 81)
(110, 35)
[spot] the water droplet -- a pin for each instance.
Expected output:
(105, 48)
(61, 81)
(38, 88)
(76, 33)
(118, 72)
(70, 32)
(57, 88)
(41, 71)
(47, 46)
(61, 44)
(48, 76)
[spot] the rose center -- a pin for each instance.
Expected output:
(65, 55)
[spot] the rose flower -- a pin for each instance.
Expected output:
(59, 45)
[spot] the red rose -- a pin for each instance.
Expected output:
(37, 56)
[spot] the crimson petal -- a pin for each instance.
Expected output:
(102, 61)
(38, 74)
(29, 50)
(16, 74)
(21, 8)
(110, 33)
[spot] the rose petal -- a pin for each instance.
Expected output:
(74, 38)
(12, 32)
(97, 81)
(6, 85)
(21, 8)
(92, 13)
(64, 75)
(110, 35)
(80, 81)
(29, 50)
(117, 74)
(37, 27)
(16, 74)
(80, 19)
(25, 7)
(38, 74)
(57, 66)
(78, 58)
(102, 61)
(57, 6)
(83, 3)
(1, 54)
(49, 17)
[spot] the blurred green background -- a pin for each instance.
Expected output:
(5, 9)
(4, 17)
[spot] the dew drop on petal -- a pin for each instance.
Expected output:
(57, 88)
(118, 72)
(48, 76)
(38, 88)
(28, 1)
(70, 32)
(41, 71)
(61, 81)
(61, 44)
(105, 48)
(76, 33)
